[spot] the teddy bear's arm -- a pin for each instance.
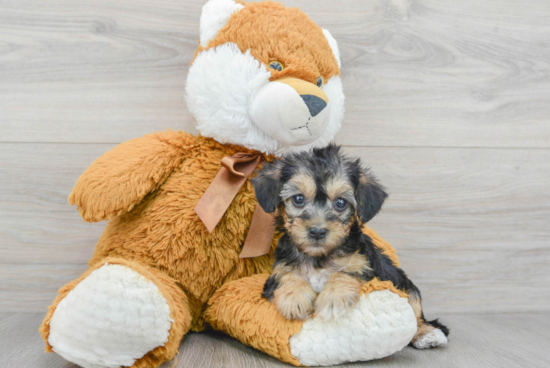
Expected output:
(123, 176)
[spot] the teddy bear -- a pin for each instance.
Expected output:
(264, 81)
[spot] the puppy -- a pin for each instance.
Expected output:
(322, 199)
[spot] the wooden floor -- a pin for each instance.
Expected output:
(488, 341)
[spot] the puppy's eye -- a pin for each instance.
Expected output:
(276, 66)
(340, 204)
(320, 82)
(298, 200)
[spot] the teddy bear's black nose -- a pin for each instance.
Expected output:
(317, 233)
(314, 104)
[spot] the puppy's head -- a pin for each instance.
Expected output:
(319, 195)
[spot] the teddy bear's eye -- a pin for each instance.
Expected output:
(276, 65)
(320, 82)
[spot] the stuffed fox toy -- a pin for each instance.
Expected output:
(264, 81)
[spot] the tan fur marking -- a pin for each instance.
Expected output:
(336, 187)
(294, 297)
(416, 305)
(363, 179)
(306, 184)
(354, 263)
(281, 270)
(340, 294)
(337, 232)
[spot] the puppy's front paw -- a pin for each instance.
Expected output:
(294, 300)
(341, 293)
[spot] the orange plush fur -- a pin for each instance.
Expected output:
(304, 54)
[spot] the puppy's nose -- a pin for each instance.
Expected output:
(317, 233)
(314, 104)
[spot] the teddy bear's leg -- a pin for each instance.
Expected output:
(381, 324)
(117, 314)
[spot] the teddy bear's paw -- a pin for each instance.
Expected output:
(110, 319)
(380, 324)
(430, 339)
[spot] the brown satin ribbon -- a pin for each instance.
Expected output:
(221, 192)
(260, 235)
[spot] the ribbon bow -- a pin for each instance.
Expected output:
(221, 192)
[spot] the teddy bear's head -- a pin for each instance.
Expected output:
(265, 77)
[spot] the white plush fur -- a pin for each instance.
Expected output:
(381, 324)
(431, 340)
(280, 112)
(221, 85)
(110, 319)
(333, 45)
(214, 16)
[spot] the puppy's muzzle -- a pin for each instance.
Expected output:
(317, 233)
(291, 110)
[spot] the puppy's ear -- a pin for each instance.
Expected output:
(267, 186)
(370, 196)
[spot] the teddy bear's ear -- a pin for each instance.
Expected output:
(333, 45)
(215, 14)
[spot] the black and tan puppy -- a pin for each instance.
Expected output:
(322, 199)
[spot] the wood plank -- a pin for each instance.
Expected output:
(22, 346)
(31, 288)
(487, 341)
(446, 73)
(422, 73)
(37, 225)
(98, 68)
(475, 199)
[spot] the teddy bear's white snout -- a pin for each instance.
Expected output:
(292, 111)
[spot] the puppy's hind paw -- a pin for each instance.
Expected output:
(431, 339)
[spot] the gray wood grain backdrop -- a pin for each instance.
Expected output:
(448, 101)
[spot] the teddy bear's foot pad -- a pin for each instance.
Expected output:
(110, 319)
(379, 325)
